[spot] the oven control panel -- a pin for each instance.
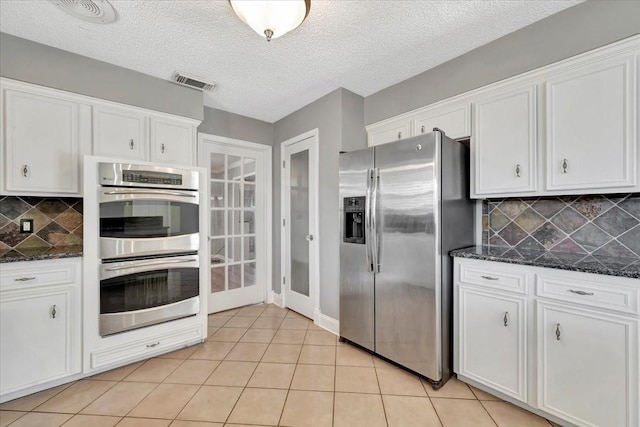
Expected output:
(146, 177)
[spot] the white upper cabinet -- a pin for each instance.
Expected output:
(453, 118)
(172, 142)
(504, 143)
(566, 128)
(454, 121)
(119, 133)
(390, 131)
(41, 144)
(44, 134)
(591, 121)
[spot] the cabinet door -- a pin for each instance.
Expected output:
(172, 143)
(504, 143)
(119, 133)
(591, 127)
(35, 338)
(455, 122)
(41, 140)
(587, 366)
(390, 131)
(492, 342)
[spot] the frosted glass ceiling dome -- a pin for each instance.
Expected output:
(274, 18)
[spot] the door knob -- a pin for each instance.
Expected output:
(309, 237)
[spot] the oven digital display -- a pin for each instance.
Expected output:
(148, 177)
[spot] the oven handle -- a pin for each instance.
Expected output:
(150, 264)
(149, 192)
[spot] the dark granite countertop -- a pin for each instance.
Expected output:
(612, 266)
(37, 254)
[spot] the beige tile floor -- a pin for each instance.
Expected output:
(263, 366)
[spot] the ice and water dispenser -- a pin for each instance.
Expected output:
(354, 217)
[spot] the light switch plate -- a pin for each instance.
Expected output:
(26, 226)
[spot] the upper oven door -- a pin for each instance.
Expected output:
(147, 221)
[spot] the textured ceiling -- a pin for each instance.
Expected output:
(361, 45)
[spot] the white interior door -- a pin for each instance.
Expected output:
(300, 189)
(239, 221)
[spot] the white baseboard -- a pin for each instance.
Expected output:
(276, 299)
(329, 323)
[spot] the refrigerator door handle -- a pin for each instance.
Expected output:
(375, 246)
(367, 221)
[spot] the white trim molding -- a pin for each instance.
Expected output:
(325, 322)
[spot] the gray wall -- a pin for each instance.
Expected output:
(339, 120)
(575, 30)
(230, 125)
(36, 63)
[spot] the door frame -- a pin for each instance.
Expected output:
(314, 250)
(204, 138)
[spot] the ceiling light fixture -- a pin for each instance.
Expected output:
(273, 18)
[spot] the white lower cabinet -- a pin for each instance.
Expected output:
(39, 324)
(585, 364)
(567, 349)
(492, 335)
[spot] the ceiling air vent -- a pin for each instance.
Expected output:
(94, 11)
(192, 81)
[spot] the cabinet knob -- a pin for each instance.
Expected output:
(558, 331)
(24, 279)
(505, 319)
(53, 311)
(422, 129)
(25, 170)
(162, 148)
(565, 165)
(399, 135)
(517, 171)
(155, 344)
(131, 144)
(309, 237)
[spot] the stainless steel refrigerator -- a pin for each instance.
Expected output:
(403, 206)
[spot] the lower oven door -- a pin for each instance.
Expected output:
(139, 293)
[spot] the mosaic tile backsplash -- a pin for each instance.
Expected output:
(594, 225)
(56, 222)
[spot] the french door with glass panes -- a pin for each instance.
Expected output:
(237, 224)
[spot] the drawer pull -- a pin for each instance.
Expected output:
(505, 319)
(558, 331)
(490, 278)
(53, 311)
(24, 279)
(580, 292)
(155, 344)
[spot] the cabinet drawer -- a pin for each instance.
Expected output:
(129, 352)
(493, 275)
(20, 276)
(592, 292)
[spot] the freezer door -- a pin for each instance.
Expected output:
(356, 281)
(407, 290)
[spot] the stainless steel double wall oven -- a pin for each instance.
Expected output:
(149, 242)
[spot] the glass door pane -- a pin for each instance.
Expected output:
(299, 215)
(232, 204)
